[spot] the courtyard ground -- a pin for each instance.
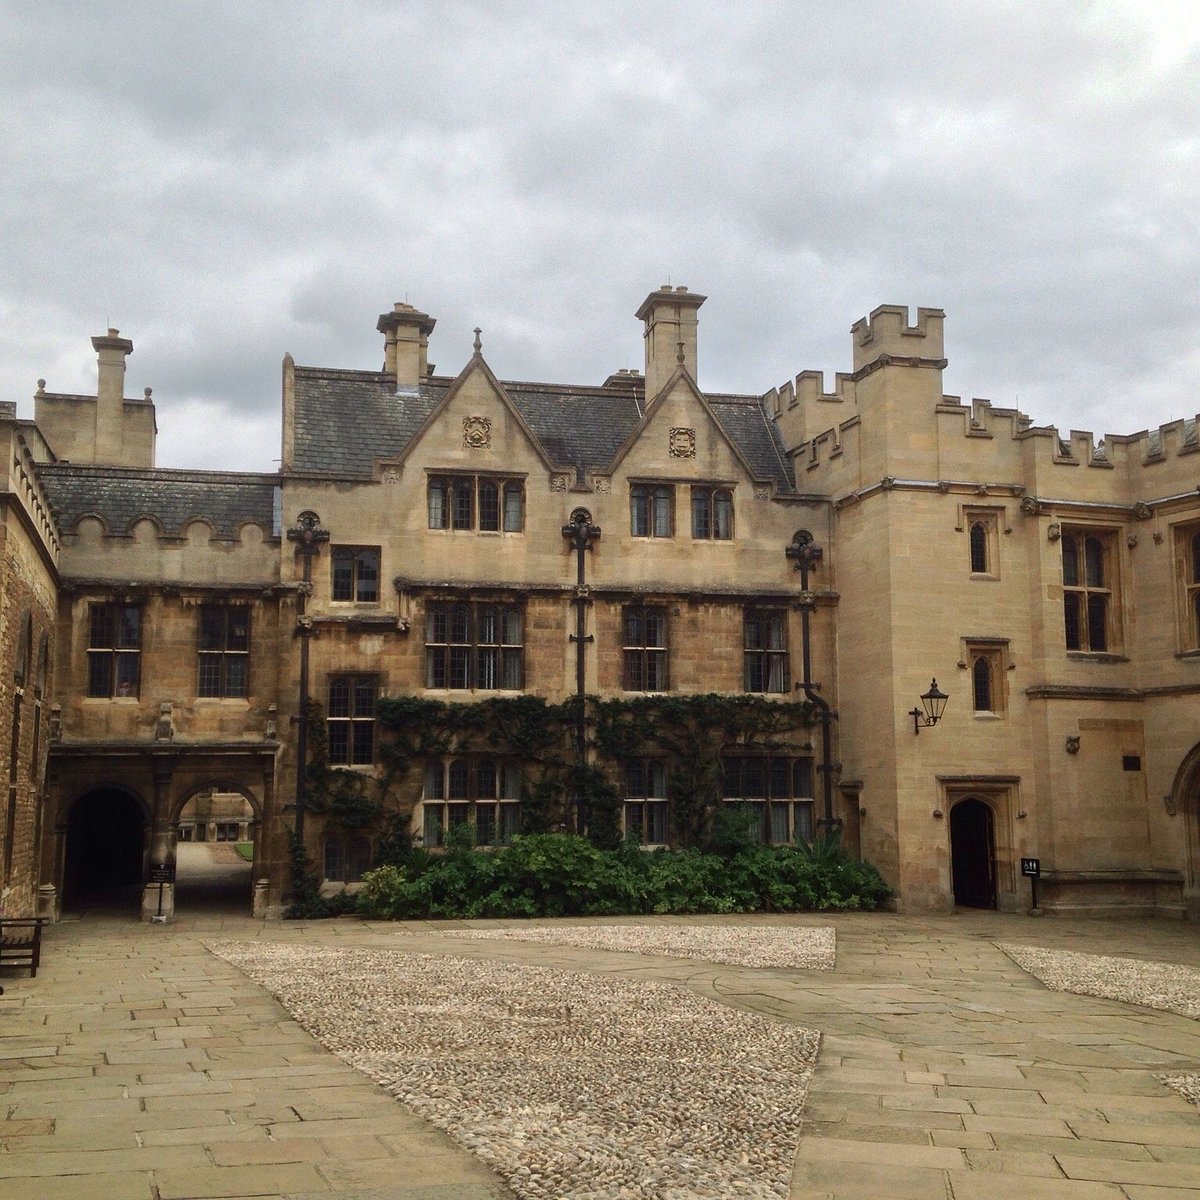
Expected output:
(140, 1066)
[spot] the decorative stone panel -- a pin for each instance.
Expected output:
(682, 443)
(477, 433)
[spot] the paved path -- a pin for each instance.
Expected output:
(139, 1067)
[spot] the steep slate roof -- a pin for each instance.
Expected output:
(756, 436)
(346, 419)
(577, 426)
(122, 495)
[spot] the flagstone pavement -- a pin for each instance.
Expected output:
(137, 1066)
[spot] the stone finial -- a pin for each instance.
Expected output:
(478, 344)
(41, 385)
(148, 392)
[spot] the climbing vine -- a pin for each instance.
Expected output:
(690, 732)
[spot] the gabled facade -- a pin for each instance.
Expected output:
(422, 540)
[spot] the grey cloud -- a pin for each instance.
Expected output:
(228, 182)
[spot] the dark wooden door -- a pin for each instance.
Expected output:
(973, 854)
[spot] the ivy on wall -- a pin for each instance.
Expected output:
(689, 732)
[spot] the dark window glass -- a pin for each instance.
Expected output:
(489, 506)
(514, 508)
(712, 513)
(223, 649)
(981, 680)
(474, 646)
(979, 547)
(463, 497)
(350, 720)
(650, 510)
(439, 504)
(765, 659)
(114, 649)
(1087, 611)
(645, 649)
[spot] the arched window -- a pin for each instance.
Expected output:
(335, 858)
(712, 513)
(979, 548)
(459, 788)
(981, 683)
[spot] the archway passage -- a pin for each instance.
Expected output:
(214, 852)
(212, 877)
(105, 852)
(973, 854)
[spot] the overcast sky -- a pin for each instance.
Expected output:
(225, 182)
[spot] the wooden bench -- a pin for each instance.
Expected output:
(21, 942)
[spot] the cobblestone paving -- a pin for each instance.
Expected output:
(571, 1087)
(803, 948)
(138, 1066)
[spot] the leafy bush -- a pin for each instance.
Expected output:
(561, 875)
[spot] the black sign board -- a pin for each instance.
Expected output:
(1032, 867)
(162, 872)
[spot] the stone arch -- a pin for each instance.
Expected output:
(216, 783)
(1184, 800)
(107, 835)
(202, 885)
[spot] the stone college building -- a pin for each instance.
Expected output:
(958, 637)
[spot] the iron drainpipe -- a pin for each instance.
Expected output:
(806, 552)
(308, 535)
(581, 533)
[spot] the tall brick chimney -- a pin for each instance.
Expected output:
(670, 318)
(406, 346)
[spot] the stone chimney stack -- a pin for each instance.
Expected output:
(670, 318)
(111, 352)
(406, 345)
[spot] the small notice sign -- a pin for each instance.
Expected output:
(162, 872)
(1031, 867)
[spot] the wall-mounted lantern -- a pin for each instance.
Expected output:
(933, 705)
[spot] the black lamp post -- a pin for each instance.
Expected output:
(308, 536)
(580, 534)
(805, 553)
(933, 704)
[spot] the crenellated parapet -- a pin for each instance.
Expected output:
(981, 419)
(26, 488)
(886, 333)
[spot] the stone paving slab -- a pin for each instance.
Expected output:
(139, 1067)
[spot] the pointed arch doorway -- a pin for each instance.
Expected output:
(973, 853)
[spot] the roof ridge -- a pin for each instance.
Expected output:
(165, 474)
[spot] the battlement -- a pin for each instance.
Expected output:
(887, 332)
(809, 390)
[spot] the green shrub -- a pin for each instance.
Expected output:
(561, 875)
